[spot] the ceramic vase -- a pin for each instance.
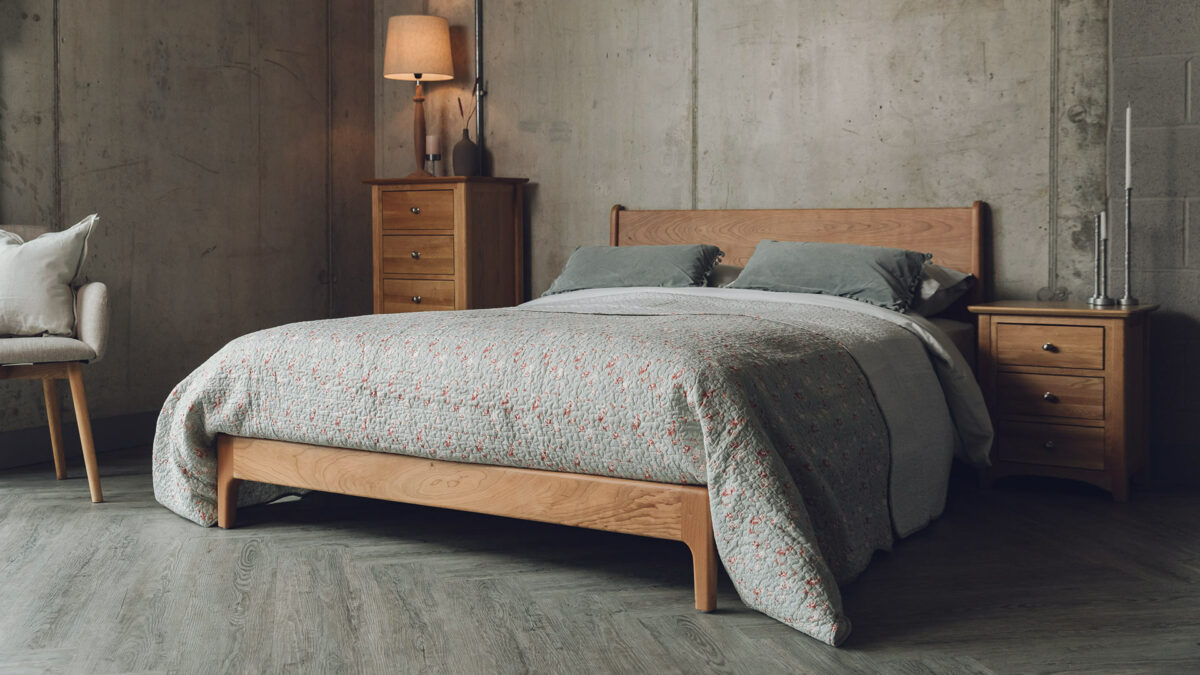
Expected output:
(466, 156)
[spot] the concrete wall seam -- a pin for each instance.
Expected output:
(695, 149)
(1051, 291)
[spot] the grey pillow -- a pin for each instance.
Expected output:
(940, 288)
(887, 277)
(36, 277)
(625, 266)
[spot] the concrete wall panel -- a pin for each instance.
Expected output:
(1080, 83)
(28, 186)
(202, 134)
(592, 101)
(1153, 43)
(1154, 27)
(352, 152)
(205, 158)
(881, 104)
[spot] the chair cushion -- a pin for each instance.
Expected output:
(49, 349)
(36, 277)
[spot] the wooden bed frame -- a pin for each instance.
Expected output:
(955, 237)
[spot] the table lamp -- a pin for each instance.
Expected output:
(418, 48)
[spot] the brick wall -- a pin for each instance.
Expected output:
(1155, 63)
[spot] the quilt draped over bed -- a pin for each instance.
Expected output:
(761, 402)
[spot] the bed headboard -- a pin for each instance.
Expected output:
(955, 236)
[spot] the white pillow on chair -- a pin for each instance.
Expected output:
(35, 280)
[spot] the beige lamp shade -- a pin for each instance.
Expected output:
(418, 47)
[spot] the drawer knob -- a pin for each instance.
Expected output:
(1049, 445)
(416, 299)
(1050, 397)
(416, 255)
(416, 210)
(1049, 347)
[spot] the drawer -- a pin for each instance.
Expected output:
(1051, 444)
(1050, 395)
(418, 254)
(417, 295)
(1026, 344)
(417, 209)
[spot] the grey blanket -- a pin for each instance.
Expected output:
(761, 402)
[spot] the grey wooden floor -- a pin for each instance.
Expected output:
(1030, 577)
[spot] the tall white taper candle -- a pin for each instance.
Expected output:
(1128, 144)
(1104, 225)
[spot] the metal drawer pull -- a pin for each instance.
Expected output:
(416, 255)
(416, 210)
(416, 299)
(1049, 445)
(1049, 347)
(1050, 397)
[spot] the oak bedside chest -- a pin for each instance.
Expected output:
(1067, 388)
(450, 242)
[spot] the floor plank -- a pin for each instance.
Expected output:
(1033, 576)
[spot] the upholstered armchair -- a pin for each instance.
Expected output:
(52, 357)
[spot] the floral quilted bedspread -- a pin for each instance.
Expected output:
(760, 402)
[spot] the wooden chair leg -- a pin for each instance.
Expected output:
(698, 535)
(227, 485)
(54, 415)
(79, 398)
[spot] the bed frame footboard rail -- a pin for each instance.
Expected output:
(660, 510)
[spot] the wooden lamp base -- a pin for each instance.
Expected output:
(419, 133)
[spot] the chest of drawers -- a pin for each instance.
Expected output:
(1066, 386)
(447, 243)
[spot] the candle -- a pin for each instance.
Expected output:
(433, 145)
(1096, 272)
(1128, 142)
(1103, 225)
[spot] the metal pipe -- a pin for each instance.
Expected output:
(480, 91)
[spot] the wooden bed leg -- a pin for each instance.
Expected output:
(227, 485)
(698, 535)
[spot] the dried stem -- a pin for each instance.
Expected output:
(474, 104)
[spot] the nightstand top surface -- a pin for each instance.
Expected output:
(443, 179)
(1057, 308)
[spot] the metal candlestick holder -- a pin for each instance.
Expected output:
(1128, 300)
(1100, 297)
(433, 160)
